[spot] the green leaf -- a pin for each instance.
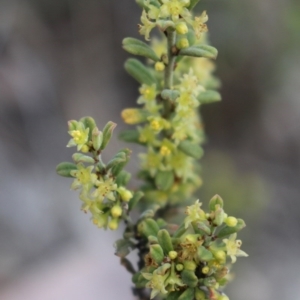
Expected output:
(148, 227)
(107, 133)
(119, 167)
(170, 95)
(164, 180)
(135, 200)
(64, 169)
(157, 253)
(189, 278)
(119, 158)
(128, 265)
(123, 178)
(165, 241)
(230, 230)
(215, 200)
(187, 294)
(200, 226)
(122, 247)
(190, 149)
(130, 136)
(165, 24)
(209, 97)
(81, 158)
(174, 295)
(97, 138)
(204, 254)
(200, 51)
(139, 72)
(90, 123)
(137, 47)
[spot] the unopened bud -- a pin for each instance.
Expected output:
(181, 28)
(182, 43)
(173, 254)
(159, 66)
(116, 211)
(231, 221)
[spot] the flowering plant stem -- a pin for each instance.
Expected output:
(183, 252)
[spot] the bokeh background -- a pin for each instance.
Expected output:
(62, 59)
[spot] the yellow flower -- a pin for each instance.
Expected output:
(133, 115)
(80, 135)
(199, 24)
(233, 247)
(84, 178)
(195, 213)
(174, 9)
(105, 189)
(147, 26)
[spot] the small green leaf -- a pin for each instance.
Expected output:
(128, 265)
(97, 138)
(119, 158)
(209, 97)
(204, 254)
(189, 278)
(148, 227)
(187, 294)
(130, 136)
(165, 24)
(107, 133)
(137, 47)
(200, 51)
(215, 200)
(139, 72)
(191, 149)
(90, 123)
(81, 158)
(135, 200)
(174, 295)
(200, 226)
(123, 178)
(122, 247)
(119, 167)
(164, 180)
(230, 230)
(170, 95)
(157, 253)
(64, 169)
(165, 241)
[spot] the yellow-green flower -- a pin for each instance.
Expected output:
(151, 161)
(199, 24)
(79, 134)
(233, 247)
(105, 189)
(174, 9)
(147, 135)
(147, 26)
(157, 281)
(195, 213)
(84, 178)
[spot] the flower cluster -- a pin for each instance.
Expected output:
(192, 261)
(102, 187)
(168, 121)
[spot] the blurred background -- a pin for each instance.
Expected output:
(62, 59)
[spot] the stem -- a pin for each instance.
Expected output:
(171, 36)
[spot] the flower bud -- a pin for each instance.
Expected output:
(116, 211)
(125, 194)
(159, 66)
(173, 254)
(181, 28)
(182, 43)
(179, 267)
(220, 255)
(113, 224)
(133, 116)
(231, 221)
(190, 265)
(205, 270)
